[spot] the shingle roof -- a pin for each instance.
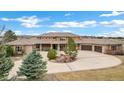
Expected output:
(59, 34)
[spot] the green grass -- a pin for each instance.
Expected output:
(107, 74)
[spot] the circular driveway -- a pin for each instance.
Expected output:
(86, 60)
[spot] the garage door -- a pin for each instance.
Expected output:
(98, 48)
(86, 47)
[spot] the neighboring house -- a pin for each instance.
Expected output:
(58, 41)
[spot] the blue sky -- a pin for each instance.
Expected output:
(93, 23)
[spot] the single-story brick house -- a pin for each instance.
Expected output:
(58, 41)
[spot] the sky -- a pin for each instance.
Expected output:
(85, 23)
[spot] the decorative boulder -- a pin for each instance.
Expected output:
(61, 58)
(67, 58)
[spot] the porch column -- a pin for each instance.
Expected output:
(103, 49)
(40, 47)
(58, 47)
(14, 49)
(79, 46)
(93, 47)
(51, 46)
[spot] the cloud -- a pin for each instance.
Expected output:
(1, 34)
(52, 31)
(18, 32)
(113, 23)
(66, 31)
(27, 21)
(59, 31)
(34, 34)
(114, 13)
(118, 33)
(83, 24)
(67, 14)
(5, 19)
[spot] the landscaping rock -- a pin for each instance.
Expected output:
(60, 59)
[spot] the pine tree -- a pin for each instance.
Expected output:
(7, 49)
(5, 66)
(9, 36)
(33, 67)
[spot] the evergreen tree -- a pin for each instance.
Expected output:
(9, 50)
(33, 67)
(51, 54)
(71, 44)
(9, 36)
(71, 47)
(5, 65)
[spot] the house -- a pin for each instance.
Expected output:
(58, 41)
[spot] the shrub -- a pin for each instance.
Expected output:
(71, 48)
(9, 50)
(5, 66)
(2, 48)
(51, 54)
(33, 67)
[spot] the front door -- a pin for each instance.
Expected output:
(38, 47)
(55, 46)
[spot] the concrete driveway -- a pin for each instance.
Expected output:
(86, 60)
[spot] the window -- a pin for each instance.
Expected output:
(62, 39)
(54, 38)
(113, 47)
(18, 48)
(38, 46)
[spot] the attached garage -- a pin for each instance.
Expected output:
(98, 49)
(86, 47)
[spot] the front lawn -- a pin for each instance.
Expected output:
(114, 73)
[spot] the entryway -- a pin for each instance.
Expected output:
(55, 46)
